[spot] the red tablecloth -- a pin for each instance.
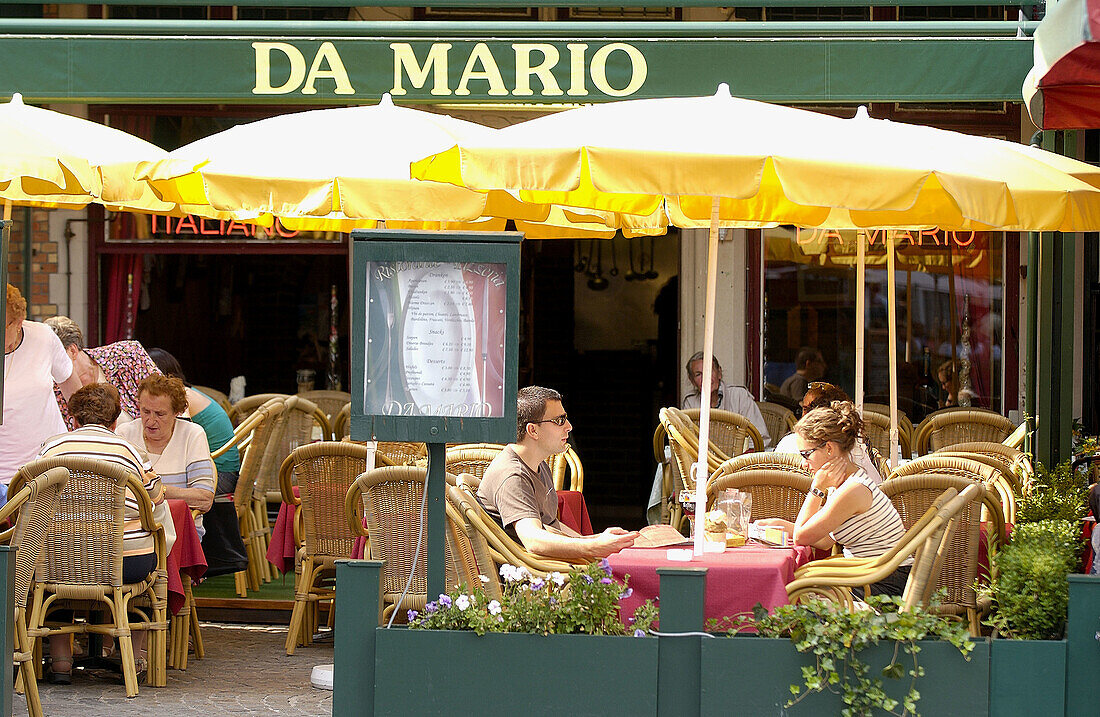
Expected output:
(572, 511)
(736, 579)
(186, 555)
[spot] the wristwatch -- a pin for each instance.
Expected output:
(819, 493)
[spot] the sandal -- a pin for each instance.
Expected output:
(57, 676)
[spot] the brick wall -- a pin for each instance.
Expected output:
(43, 260)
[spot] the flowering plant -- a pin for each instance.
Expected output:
(586, 601)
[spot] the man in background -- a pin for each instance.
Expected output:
(736, 399)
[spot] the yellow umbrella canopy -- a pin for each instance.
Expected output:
(774, 164)
(347, 167)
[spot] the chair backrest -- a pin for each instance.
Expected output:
(904, 424)
(731, 432)
(876, 427)
(932, 555)
(251, 436)
(390, 498)
(565, 466)
(912, 495)
(779, 419)
(949, 426)
(683, 439)
(292, 428)
(330, 403)
(341, 423)
(1005, 485)
(472, 458)
(217, 396)
(243, 409)
(324, 472)
(1019, 463)
(775, 493)
(84, 543)
(36, 502)
(471, 547)
(403, 453)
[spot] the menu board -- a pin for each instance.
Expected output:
(435, 338)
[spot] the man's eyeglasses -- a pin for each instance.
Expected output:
(557, 420)
(807, 453)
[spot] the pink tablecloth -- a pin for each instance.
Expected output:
(736, 579)
(571, 510)
(186, 555)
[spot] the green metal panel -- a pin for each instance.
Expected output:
(683, 592)
(358, 596)
(1082, 644)
(330, 69)
(1027, 678)
(7, 625)
(437, 672)
(523, 4)
(409, 246)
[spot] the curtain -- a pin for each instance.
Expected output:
(123, 292)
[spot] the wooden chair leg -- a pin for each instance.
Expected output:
(240, 583)
(301, 604)
(196, 629)
(125, 645)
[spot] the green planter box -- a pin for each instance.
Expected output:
(439, 672)
(1027, 677)
(753, 675)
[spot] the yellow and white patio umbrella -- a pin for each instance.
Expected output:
(752, 163)
(348, 167)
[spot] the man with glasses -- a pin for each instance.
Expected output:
(518, 490)
(736, 399)
(820, 394)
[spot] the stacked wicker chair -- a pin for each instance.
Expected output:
(471, 458)
(36, 503)
(777, 482)
(683, 438)
(905, 426)
(876, 427)
(779, 419)
(325, 472)
(82, 562)
(567, 465)
(731, 432)
(950, 426)
(1020, 470)
(330, 403)
(402, 453)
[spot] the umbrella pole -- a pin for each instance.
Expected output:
(892, 322)
(861, 280)
(700, 470)
(7, 210)
(908, 315)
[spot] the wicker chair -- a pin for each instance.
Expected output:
(567, 465)
(833, 578)
(341, 423)
(325, 472)
(876, 427)
(1022, 473)
(912, 496)
(216, 396)
(330, 403)
(671, 512)
(683, 438)
(779, 419)
(904, 424)
(252, 436)
(388, 501)
(472, 458)
(729, 431)
(1005, 486)
(473, 548)
(775, 493)
(82, 562)
(243, 408)
(961, 425)
(36, 502)
(402, 453)
(502, 547)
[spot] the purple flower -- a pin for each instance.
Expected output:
(553, 601)
(587, 578)
(626, 593)
(605, 566)
(605, 581)
(413, 614)
(430, 608)
(445, 600)
(538, 584)
(639, 632)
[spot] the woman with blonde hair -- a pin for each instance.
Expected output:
(844, 505)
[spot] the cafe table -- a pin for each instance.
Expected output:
(737, 579)
(185, 557)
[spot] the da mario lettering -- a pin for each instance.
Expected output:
(541, 69)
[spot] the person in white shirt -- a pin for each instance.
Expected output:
(723, 396)
(33, 360)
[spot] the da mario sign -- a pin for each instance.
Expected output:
(442, 69)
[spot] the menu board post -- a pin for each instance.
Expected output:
(434, 357)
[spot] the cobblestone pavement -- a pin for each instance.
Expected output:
(246, 671)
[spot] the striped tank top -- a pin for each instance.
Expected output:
(876, 530)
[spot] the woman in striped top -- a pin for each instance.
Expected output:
(844, 505)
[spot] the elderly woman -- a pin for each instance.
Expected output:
(177, 448)
(122, 364)
(33, 362)
(212, 417)
(96, 409)
(845, 505)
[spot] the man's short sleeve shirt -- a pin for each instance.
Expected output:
(511, 491)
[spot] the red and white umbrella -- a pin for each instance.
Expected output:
(1062, 91)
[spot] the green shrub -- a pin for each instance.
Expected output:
(1061, 494)
(1030, 593)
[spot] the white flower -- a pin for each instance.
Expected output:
(483, 578)
(512, 574)
(557, 578)
(462, 602)
(494, 608)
